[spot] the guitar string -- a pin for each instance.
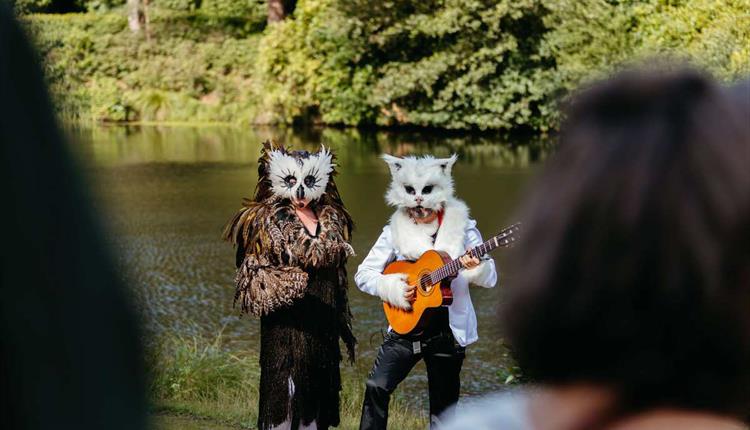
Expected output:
(484, 248)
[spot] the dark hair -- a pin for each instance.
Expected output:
(70, 352)
(636, 252)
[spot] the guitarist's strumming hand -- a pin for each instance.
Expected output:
(395, 290)
(411, 293)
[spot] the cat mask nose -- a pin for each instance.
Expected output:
(419, 199)
(300, 193)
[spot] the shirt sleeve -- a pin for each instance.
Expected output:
(371, 268)
(486, 274)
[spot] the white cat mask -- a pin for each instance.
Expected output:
(420, 181)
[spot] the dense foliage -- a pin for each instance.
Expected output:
(457, 64)
(453, 64)
(480, 63)
(218, 7)
(195, 67)
(589, 38)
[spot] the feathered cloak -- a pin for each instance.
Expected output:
(297, 284)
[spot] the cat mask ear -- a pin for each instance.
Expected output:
(446, 163)
(394, 163)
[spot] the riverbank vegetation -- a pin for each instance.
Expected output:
(454, 64)
(201, 378)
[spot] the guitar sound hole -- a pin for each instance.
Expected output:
(424, 285)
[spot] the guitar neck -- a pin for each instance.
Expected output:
(502, 239)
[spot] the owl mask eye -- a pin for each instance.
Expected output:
(290, 181)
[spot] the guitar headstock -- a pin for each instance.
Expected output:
(507, 236)
(504, 239)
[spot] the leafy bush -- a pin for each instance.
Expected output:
(591, 38)
(306, 66)
(30, 6)
(715, 35)
(256, 9)
(452, 64)
(63, 6)
(239, 8)
(179, 5)
(478, 64)
(102, 5)
(194, 67)
(456, 64)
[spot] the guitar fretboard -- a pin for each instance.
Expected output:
(502, 239)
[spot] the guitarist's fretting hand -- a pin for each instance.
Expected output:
(469, 261)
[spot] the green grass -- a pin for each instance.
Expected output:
(200, 378)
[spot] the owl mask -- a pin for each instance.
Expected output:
(299, 176)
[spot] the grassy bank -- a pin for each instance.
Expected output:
(200, 378)
(458, 64)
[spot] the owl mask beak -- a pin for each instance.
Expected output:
(300, 202)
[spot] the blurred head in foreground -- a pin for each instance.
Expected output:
(70, 356)
(635, 265)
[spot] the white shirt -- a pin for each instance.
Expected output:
(461, 315)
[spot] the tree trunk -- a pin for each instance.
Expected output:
(275, 11)
(279, 9)
(136, 17)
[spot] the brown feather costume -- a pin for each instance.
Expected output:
(297, 284)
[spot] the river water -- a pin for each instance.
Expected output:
(166, 192)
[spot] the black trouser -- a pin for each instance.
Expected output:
(443, 358)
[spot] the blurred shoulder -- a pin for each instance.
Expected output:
(507, 411)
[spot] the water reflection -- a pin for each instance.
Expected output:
(167, 191)
(129, 144)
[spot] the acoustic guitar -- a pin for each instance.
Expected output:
(432, 274)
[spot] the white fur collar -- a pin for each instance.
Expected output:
(411, 240)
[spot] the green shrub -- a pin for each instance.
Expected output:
(478, 64)
(31, 6)
(306, 66)
(63, 6)
(591, 38)
(178, 5)
(452, 64)
(456, 64)
(103, 5)
(194, 67)
(712, 34)
(255, 9)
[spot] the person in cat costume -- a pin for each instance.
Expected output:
(428, 216)
(292, 244)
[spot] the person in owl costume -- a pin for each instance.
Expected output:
(293, 241)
